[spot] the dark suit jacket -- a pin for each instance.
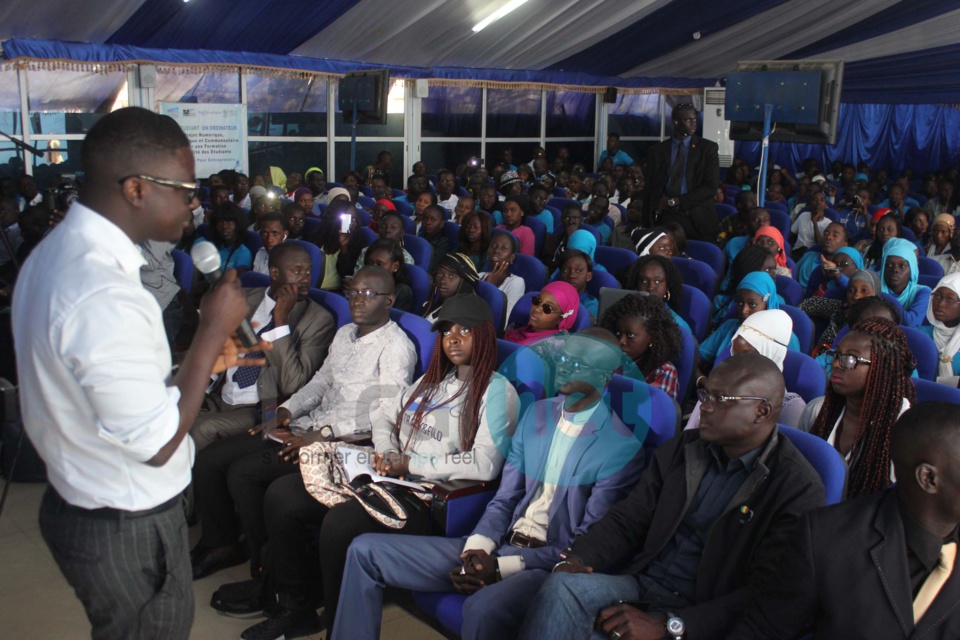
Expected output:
(695, 208)
(739, 551)
(295, 357)
(845, 572)
(604, 462)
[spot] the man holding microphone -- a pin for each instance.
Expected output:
(99, 399)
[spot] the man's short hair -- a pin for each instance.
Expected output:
(124, 141)
(683, 106)
(286, 250)
(275, 217)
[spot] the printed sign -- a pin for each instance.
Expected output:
(217, 134)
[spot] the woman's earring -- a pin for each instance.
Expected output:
(667, 297)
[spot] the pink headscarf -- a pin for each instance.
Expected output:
(569, 302)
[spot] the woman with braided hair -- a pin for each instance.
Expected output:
(455, 274)
(649, 336)
(869, 387)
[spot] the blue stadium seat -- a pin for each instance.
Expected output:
(697, 274)
(403, 208)
(802, 375)
(706, 252)
(310, 226)
(533, 272)
(369, 236)
(929, 267)
(616, 260)
(335, 303)
(497, 301)
(316, 260)
(928, 281)
(420, 284)
(802, 327)
(560, 203)
(319, 208)
(366, 202)
(418, 330)
(367, 191)
(685, 364)
(928, 391)
(363, 218)
(599, 280)
(790, 290)
(452, 231)
(695, 309)
(419, 249)
(724, 210)
(823, 457)
(539, 233)
(780, 220)
(182, 269)
(252, 280)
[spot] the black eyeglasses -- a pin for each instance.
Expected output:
(546, 307)
(365, 294)
(189, 188)
(845, 360)
(705, 397)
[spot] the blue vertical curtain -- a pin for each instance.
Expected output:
(922, 137)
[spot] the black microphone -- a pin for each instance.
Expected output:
(206, 259)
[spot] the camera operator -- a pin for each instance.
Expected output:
(854, 214)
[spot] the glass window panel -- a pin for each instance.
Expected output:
(198, 88)
(72, 101)
(367, 155)
(580, 152)
(394, 126)
(61, 157)
(451, 112)
(449, 155)
(288, 156)
(513, 114)
(637, 149)
(10, 162)
(286, 106)
(521, 152)
(9, 94)
(571, 114)
(634, 115)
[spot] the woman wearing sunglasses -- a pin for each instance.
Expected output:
(943, 313)
(553, 310)
(868, 388)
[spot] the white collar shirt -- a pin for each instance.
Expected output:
(95, 369)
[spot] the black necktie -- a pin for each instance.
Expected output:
(676, 173)
(247, 376)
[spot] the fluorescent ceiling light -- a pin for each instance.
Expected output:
(499, 13)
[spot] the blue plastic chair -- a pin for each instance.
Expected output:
(398, 193)
(182, 269)
(685, 364)
(452, 231)
(331, 185)
(423, 339)
(907, 234)
(533, 272)
(560, 203)
(616, 260)
(419, 284)
(802, 327)
(335, 303)
(556, 217)
(832, 215)
(600, 280)
(310, 226)
(780, 220)
(403, 208)
(707, 253)
(205, 232)
(790, 289)
(928, 281)
(775, 206)
(363, 218)
(929, 267)
(366, 202)
(695, 309)
(539, 233)
(697, 274)
(928, 391)
(823, 458)
(252, 280)
(803, 375)
(419, 249)
(319, 209)
(367, 191)
(369, 236)
(724, 210)
(497, 301)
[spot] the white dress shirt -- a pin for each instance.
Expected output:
(231, 393)
(360, 378)
(94, 369)
(261, 262)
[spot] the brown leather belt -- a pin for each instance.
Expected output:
(517, 539)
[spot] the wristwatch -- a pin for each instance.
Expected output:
(674, 627)
(671, 202)
(326, 431)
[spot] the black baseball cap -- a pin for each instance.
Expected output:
(465, 309)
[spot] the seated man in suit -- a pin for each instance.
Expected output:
(881, 566)
(683, 553)
(300, 331)
(370, 360)
(569, 460)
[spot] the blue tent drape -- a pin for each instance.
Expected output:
(892, 136)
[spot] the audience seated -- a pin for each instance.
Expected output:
(868, 389)
(596, 211)
(899, 276)
(752, 258)
(576, 269)
(879, 566)
(658, 277)
(943, 314)
(622, 236)
(677, 543)
(884, 226)
(538, 510)
(757, 218)
(655, 241)
(431, 230)
(863, 283)
(806, 231)
(649, 336)
(381, 208)
(296, 221)
(941, 233)
(388, 255)
(448, 425)
(455, 274)
(227, 229)
(341, 251)
(767, 333)
(273, 231)
(570, 218)
(391, 228)
(538, 196)
(770, 239)
(832, 239)
(739, 225)
(554, 310)
(515, 210)
(502, 248)
(369, 361)
(474, 239)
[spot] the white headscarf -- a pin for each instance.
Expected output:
(768, 332)
(947, 338)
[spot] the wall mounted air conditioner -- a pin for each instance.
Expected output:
(716, 127)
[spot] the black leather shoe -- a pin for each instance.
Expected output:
(206, 564)
(240, 599)
(286, 624)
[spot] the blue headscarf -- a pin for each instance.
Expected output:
(583, 240)
(853, 254)
(905, 249)
(760, 282)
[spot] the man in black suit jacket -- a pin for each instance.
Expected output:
(683, 193)
(707, 521)
(855, 570)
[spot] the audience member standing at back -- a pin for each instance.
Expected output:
(682, 178)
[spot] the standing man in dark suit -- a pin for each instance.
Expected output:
(881, 566)
(709, 519)
(569, 460)
(682, 177)
(300, 331)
